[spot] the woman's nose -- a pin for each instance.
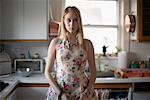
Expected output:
(71, 23)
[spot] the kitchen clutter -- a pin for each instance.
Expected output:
(129, 73)
(25, 72)
(29, 55)
(139, 64)
(25, 67)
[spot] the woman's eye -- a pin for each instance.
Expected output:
(75, 19)
(69, 20)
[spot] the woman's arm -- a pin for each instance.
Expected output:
(91, 60)
(50, 63)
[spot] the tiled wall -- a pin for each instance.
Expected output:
(15, 49)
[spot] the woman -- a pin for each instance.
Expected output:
(72, 54)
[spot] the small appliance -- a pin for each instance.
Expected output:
(5, 63)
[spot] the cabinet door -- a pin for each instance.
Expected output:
(12, 19)
(31, 93)
(24, 19)
(141, 9)
(35, 19)
(13, 95)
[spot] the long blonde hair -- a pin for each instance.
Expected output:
(63, 33)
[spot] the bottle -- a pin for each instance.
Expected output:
(134, 64)
(29, 55)
(141, 64)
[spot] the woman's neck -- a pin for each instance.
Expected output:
(71, 38)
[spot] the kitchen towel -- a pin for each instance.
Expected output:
(122, 60)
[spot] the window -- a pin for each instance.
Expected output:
(100, 22)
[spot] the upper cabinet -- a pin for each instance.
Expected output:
(141, 8)
(24, 20)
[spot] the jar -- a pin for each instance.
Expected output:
(141, 64)
(134, 64)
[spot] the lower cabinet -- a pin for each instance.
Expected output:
(141, 91)
(141, 95)
(29, 92)
(13, 95)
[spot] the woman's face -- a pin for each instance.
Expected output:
(71, 22)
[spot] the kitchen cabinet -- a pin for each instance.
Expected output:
(144, 20)
(141, 8)
(12, 19)
(35, 19)
(13, 95)
(141, 91)
(24, 19)
(29, 92)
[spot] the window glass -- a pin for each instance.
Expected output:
(95, 12)
(100, 37)
(100, 24)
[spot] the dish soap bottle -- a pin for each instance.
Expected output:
(29, 55)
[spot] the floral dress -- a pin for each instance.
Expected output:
(71, 77)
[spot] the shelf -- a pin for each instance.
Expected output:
(35, 64)
(28, 59)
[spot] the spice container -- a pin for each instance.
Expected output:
(141, 64)
(134, 64)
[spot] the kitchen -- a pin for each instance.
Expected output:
(30, 45)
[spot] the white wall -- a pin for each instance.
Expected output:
(138, 51)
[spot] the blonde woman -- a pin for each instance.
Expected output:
(72, 53)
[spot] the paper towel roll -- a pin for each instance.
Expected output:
(122, 60)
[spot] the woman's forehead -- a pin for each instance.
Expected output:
(71, 15)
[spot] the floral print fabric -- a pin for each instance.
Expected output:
(70, 70)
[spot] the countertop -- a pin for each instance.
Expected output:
(14, 79)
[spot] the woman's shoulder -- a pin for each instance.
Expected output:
(88, 45)
(87, 42)
(56, 40)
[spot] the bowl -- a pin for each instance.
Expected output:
(25, 72)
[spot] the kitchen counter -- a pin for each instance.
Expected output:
(40, 78)
(9, 88)
(14, 79)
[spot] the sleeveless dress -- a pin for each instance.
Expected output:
(71, 77)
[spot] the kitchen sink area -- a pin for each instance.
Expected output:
(102, 74)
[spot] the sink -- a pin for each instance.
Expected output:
(102, 74)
